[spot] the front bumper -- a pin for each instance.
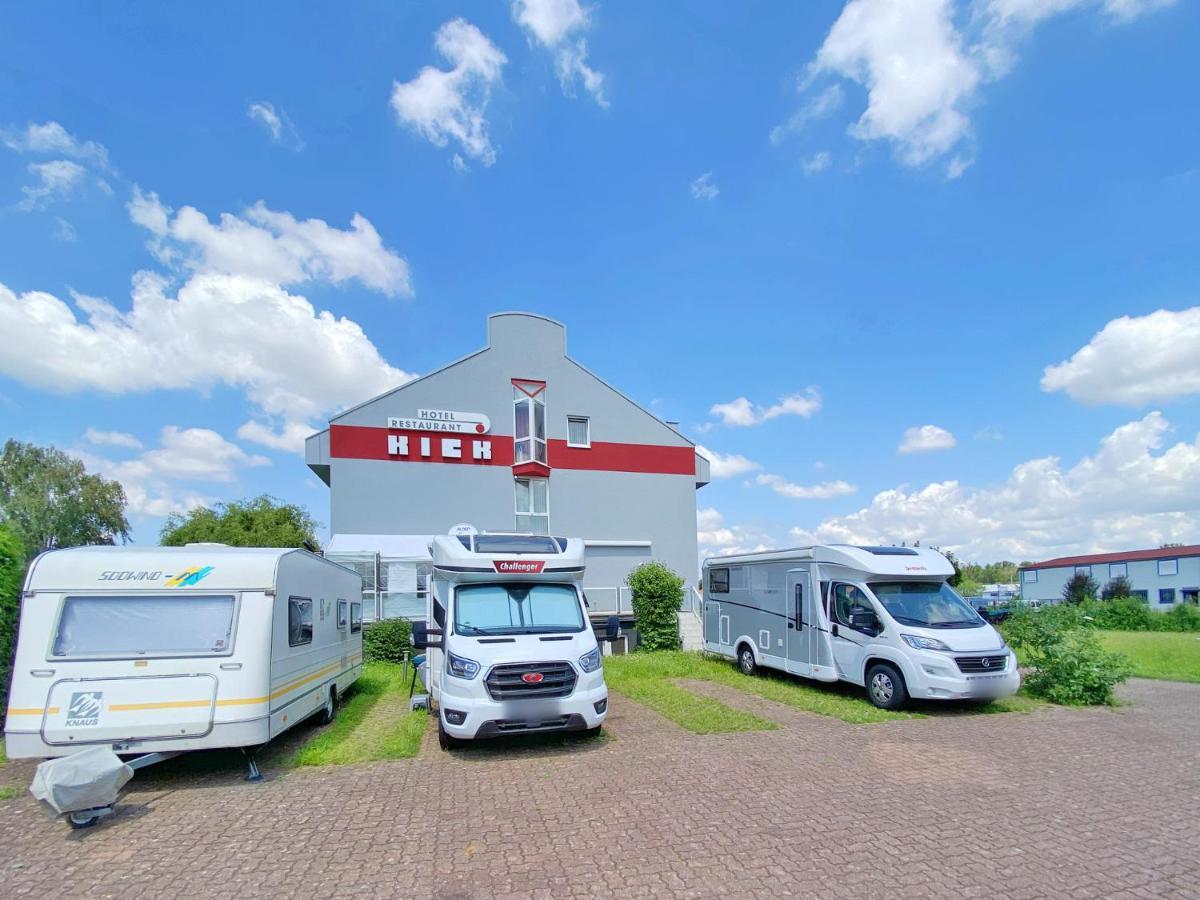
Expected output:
(937, 677)
(484, 717)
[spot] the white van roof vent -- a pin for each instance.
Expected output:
(205, 544)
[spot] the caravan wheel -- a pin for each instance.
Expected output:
(85, 819)
(329, 712)
(746, 661)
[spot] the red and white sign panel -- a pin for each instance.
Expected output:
(519, 566)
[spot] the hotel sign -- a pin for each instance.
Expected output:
(446, 421)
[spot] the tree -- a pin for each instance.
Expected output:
(258, 522)
(50, 500)
(1081, 587)
(12, 574)
(1117, 587)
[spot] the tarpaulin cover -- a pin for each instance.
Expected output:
(84, 780)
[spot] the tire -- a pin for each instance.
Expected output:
(589, 733)
(329, 711)
(746, 660)
(445, 741)
(82, 819)
(885, 686)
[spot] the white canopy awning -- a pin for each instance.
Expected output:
(390, 546)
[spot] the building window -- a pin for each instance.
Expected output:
(1166, 595)
(1144, 596)
(300, 626)
(718, 581)
(1084, 570)
(529, 423)
(1118, 570)
(579, 431)
(1168, 567)
(533, 505)
(1029, 576)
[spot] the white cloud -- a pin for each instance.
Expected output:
(274, 246)
(926, 438)
(112, 439)
(51, 138)
(288, 438)
(57, 181)
(1134, 360)
(277, 124)
(823, 104)
(293, 362)
(444, 105)
(826, 490)
(818, 162)
(1130, 494)
(188, 455)
(923, 63)
(64, 231)
(703, 187)
(989, 433)
(742, 413)
(730, 465)
(715, 538)
(552, 23)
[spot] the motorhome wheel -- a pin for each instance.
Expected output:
(885, 686)
(445, 741)
(329, 713)
(746, 660)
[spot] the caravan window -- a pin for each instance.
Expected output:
(343, 615)
(847, 598)
(145, 626)
(718, 581)
(355, 618)
(300, 626)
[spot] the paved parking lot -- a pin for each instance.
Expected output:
(1064, 803)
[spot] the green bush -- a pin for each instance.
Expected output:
(657, 592)
(1121, 614)
(1080, 587)
(1076, 671)
(1181, 618)
(12, 576)
(1068, 664)
(387, 640)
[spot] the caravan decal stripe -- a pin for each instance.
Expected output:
(161, 704)
(31, 711)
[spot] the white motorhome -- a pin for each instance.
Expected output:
(883, 618)
(510, 646)
(164, 650)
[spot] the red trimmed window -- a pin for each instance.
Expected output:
(529, 421)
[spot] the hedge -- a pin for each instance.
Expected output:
(657, 592)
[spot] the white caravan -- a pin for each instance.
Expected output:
(164, 650)
(880, 617)
(510, 647)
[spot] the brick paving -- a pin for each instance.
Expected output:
(1055, 803)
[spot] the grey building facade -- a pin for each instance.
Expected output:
(1162, 577)
(517, 436)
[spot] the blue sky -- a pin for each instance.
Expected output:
(897, 213)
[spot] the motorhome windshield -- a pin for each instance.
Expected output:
(925, 604)
(144, 626)
(516, 609)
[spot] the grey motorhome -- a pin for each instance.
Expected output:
(883, 618)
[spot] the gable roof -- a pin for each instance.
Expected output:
(1126, 556)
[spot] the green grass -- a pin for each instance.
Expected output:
(7, 793)
(649, 678)
(372, 723)
(1165, 655)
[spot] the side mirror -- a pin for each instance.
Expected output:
(612, 629)
(420, 635)
(863, 620)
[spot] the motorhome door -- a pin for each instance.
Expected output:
(800, 622)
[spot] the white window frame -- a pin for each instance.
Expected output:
(1113, 573)
(1084, 570)
(529, 513)
(534, 440)
(1025, 579)
(1174, 561)
(587, 424)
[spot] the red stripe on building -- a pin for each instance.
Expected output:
(606, 457)
(367, 442)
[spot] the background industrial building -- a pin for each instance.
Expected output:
(1163, 577)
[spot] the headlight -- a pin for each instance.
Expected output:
(590, 661)
(923, 643)
(461, 667)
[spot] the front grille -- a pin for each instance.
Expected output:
(506, 682)
(985, 664)
(510, 725)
